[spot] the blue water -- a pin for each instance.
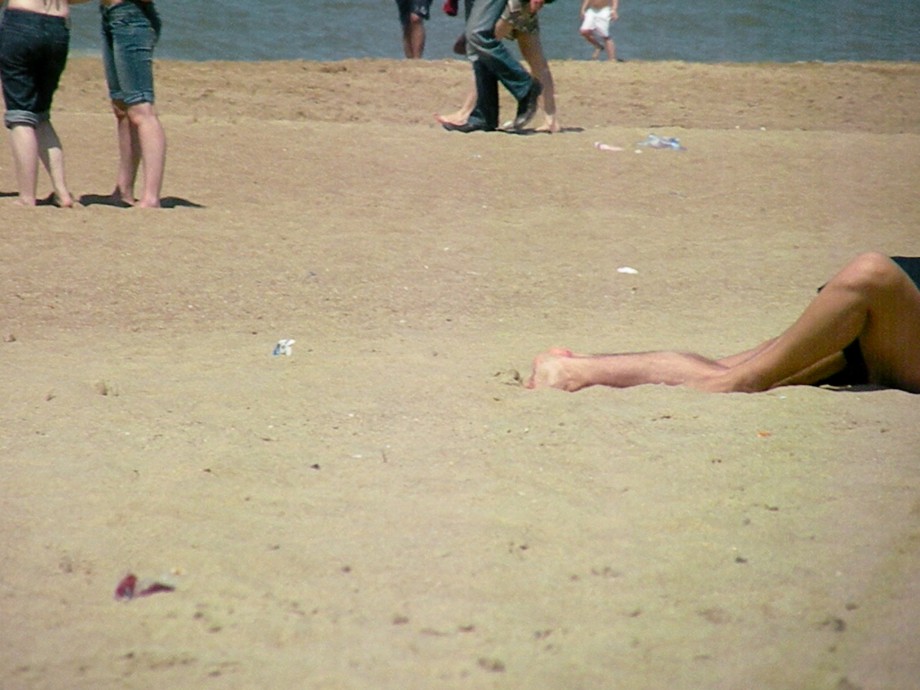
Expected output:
(695, 31)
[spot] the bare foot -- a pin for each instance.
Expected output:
(549, 371)
(596, 55)
(64, 200)
(458, 118)
(121, 199)
(24, 202)
(149, 204)
(551, 125)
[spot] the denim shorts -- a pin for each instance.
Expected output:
(33, 53)
(130, 31)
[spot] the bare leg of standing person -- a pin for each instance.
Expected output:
(51, 154)
(871, 300)
(141, 141)
(414, 37)
(24, 145)
(31, 145)
(129, 155)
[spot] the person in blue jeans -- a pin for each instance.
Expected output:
(130, 30)
(34, 40)
(493, 63)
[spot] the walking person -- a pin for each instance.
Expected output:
(493, 63)
(596, 18)
(517, 23)
(130, 30)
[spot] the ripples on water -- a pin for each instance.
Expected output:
(703, 31)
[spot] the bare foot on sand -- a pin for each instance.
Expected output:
(550, 125)
(550, 370)
(458, 118)
(120, 199)
(64, 200)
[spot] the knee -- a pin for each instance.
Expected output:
(140, 113)
(868, 273)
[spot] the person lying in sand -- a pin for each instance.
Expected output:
(516, 23)
(862, 328)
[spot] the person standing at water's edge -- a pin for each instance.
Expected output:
(596, 18)
(412, 17)
(130, 30)
(34, 40)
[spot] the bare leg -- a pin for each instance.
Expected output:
(129, 155)
(871, 300)
(598, 47)
(611, 49)
(463, 114)
(152, 141)
(24, 144)
(141, 140)
(532, 50)
(414, 37)
(562, 369)
(52, 156)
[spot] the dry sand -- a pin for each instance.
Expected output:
(388, 508)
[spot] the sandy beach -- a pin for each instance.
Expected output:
(388, 508)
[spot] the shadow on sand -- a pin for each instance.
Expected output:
(109, 200)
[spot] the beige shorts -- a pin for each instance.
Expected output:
(517, 13)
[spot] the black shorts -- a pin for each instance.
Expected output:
(856, 373)
(421, 8)
(33, 52)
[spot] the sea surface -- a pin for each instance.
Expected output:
(694, 31)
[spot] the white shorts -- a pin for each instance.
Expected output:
(597, 22)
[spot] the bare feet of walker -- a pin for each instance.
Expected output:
(551, 126)
(458, 118)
